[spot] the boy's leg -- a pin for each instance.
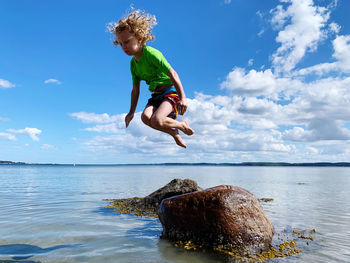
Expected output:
(146, 118)
(160, 119)
(147, 114)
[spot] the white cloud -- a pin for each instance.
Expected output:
(31, 132)
(318, 130)
(259, 83)
(342, 52)
(108, 128)
(252, 83)
(334, 28)
(319, 69)
(261, 32)
(48, 147)
(87, 117)
(259, 14)
(341, 46)
(227, 1)
(213, 119)
(304, 30)
(5, 84)
(53, 81)
(279, 17)
(250, 62)
(333, 4)
(8, 136)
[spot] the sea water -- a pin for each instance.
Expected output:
(55, 213)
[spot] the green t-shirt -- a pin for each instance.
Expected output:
(151, 67)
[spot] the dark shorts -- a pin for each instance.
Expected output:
(169, 94)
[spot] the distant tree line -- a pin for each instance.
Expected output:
(339, 164)
(9, 162)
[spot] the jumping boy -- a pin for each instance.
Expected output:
(168, 96)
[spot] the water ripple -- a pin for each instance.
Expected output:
(61, 208)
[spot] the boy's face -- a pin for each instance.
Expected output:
(129, 43)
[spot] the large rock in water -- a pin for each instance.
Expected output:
(226, 216)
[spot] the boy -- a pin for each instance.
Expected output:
(168, 97)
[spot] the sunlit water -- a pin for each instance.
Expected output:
(55, 213)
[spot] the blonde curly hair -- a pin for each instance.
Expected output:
(137, 22)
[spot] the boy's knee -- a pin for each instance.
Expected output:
(145, 119)
(156, 122)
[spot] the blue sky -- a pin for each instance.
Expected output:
(265, 81)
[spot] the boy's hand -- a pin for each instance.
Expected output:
(128, 119)
(181, 106)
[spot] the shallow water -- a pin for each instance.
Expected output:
(55, 213)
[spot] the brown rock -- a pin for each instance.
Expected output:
(175, 187)
(225, 215)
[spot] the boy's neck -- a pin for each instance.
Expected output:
(138, 55)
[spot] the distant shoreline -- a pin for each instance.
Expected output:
(316, 164)
(9, 162)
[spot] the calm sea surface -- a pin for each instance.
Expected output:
(55, 213)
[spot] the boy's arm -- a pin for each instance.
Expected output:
(134, 99)
(182, 104)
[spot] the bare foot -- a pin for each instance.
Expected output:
(179, 141)
(186, 128)
(178, 138)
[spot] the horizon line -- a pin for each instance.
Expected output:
(339, 164)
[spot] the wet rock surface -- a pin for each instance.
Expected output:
(149, 205)
(225, 216)
(174, 188)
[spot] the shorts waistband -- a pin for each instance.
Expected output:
(164, 90)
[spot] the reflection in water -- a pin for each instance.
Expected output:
(175, 254)
(16, 261)
(25, 251)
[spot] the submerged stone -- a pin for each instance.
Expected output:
(174, 188)
(266, 200)
(149, 205)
